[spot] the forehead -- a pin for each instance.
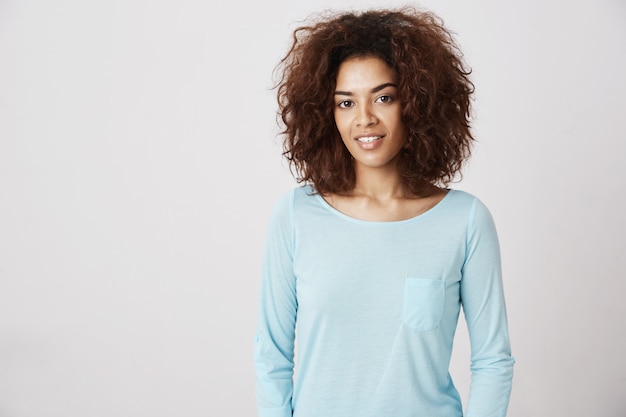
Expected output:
(364, 73)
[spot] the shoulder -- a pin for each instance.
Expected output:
(460, 201)
(462, 198)
(290, 211)
(465, 200)
(469, 206)
(296, 197)
(303, 193)
(478, 220)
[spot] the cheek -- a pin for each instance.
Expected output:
(342, 126)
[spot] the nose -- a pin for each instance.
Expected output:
(365, 116)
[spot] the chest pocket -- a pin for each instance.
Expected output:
(423, 303)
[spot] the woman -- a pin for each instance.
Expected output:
(371, 259)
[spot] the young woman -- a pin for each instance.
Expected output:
(370, 260)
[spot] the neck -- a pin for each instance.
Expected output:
(380, 183)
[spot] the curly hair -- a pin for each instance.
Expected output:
(434, 90)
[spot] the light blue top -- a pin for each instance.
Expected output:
(374, 306)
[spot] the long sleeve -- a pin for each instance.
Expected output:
(357, 289)
(274, 342)
(484, 308)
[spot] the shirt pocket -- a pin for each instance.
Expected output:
(423, 303)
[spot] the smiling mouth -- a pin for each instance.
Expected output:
(368, 139)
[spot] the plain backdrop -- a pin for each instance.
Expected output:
(139, 160)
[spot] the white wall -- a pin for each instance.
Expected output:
(139, 161)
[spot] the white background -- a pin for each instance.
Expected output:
(139, 160)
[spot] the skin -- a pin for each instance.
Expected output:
(366, 106)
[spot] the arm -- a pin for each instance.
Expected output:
(274, 342)
(484, 308)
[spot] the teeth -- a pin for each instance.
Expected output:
(368, 139)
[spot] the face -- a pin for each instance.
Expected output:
(367, 112)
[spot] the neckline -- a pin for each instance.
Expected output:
(417, 217)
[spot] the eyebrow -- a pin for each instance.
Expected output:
(373, 90)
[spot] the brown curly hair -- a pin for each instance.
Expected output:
(434, 90)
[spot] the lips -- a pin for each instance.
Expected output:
(368, 139)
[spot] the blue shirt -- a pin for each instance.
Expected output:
(374, 307)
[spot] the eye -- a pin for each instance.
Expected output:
(384, 99)
(345, 104)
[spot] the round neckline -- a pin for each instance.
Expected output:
(419, 216)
